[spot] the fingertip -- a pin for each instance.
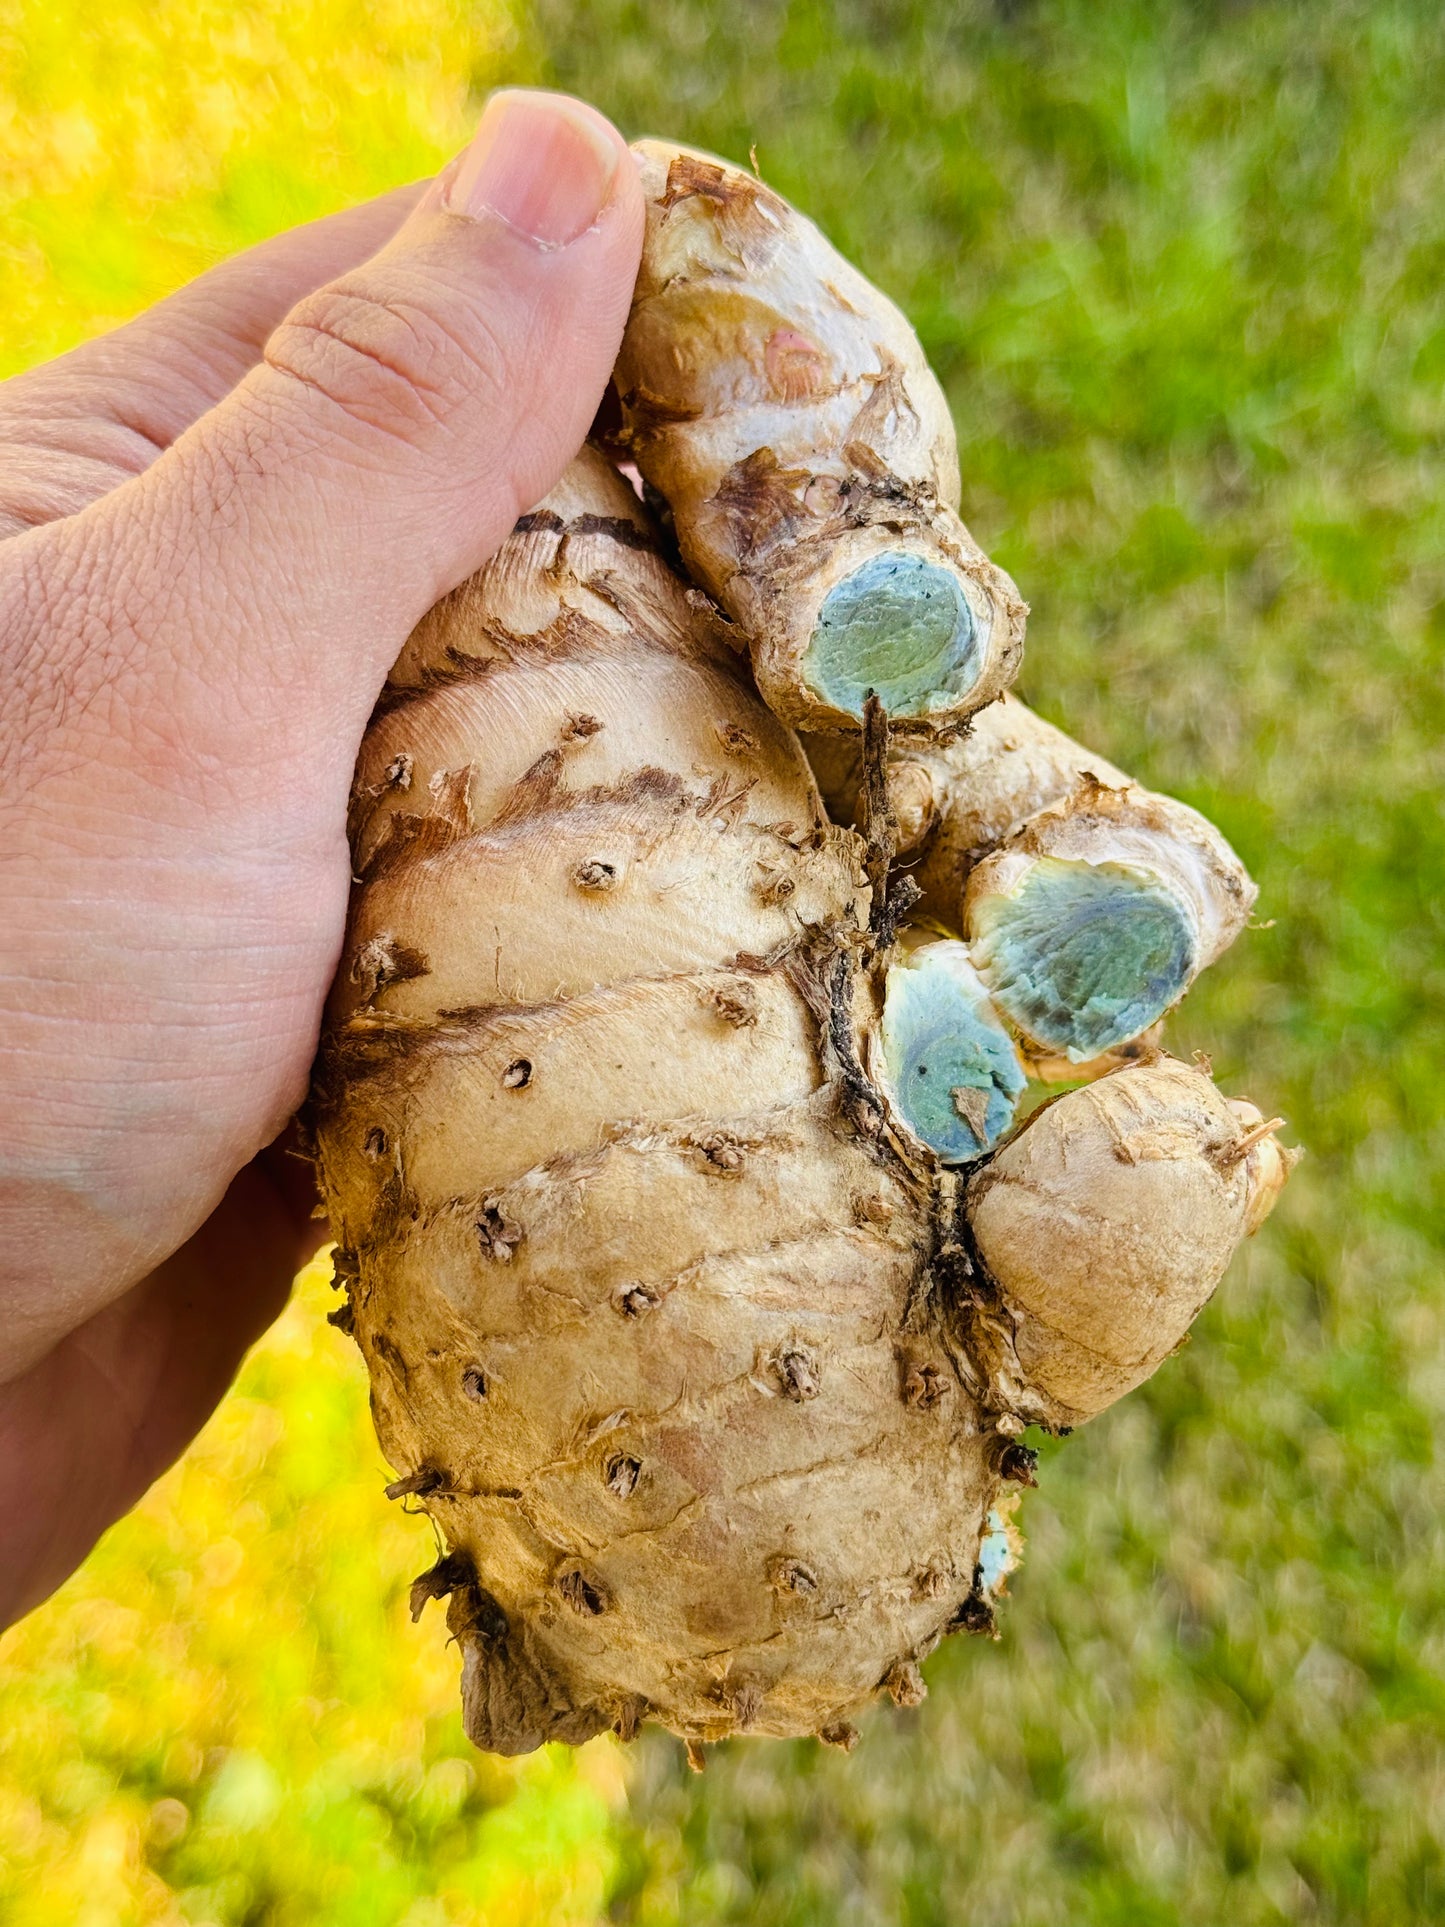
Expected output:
(550, 166)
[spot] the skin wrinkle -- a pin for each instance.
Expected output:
(98, 452)
(865, 1449)
(296, 541)
(406, 317)
(34, 1330)
(46, 500)
(654, 1532)
(165, 566)
(195, 1009)
(693, 1278)
(78, 643)
(445, 371)
(133, 439)
(181, 710)
(120, 1129)
(90, 472)
(395, 410)
(158, 776)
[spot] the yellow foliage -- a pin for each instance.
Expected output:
(142, 140)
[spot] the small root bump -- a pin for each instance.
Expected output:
(630, 1715)
(798, 1374)
(789, 1575)
(903, 1683)
(1019, 1464)
(720, 1154)
(736, 740)
(635, 1301)
(743, 1700)
(925, 1386)
(975, 1615)
(418, 1484)
(497, 1236)
(736, 1002)
(583, 1593)
(621, 1475)
(1227, 1154)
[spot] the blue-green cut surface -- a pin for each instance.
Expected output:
(898, 625)
(1084, 956)
(996, 1556)
(941, 1036)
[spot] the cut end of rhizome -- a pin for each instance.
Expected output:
(900, 626)
(950, 1066)
(1083, 957)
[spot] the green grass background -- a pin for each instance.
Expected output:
(1180, 268)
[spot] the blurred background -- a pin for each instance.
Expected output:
(1180, 269)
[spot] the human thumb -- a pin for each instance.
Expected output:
(402, 418)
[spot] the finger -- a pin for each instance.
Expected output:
(402, 418)
(84, 1432)
(78, 426)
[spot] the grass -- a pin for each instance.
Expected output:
(1179, 270)
(1179, 267)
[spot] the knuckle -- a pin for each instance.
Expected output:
(385, 358)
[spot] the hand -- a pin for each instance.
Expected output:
(217, 527)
